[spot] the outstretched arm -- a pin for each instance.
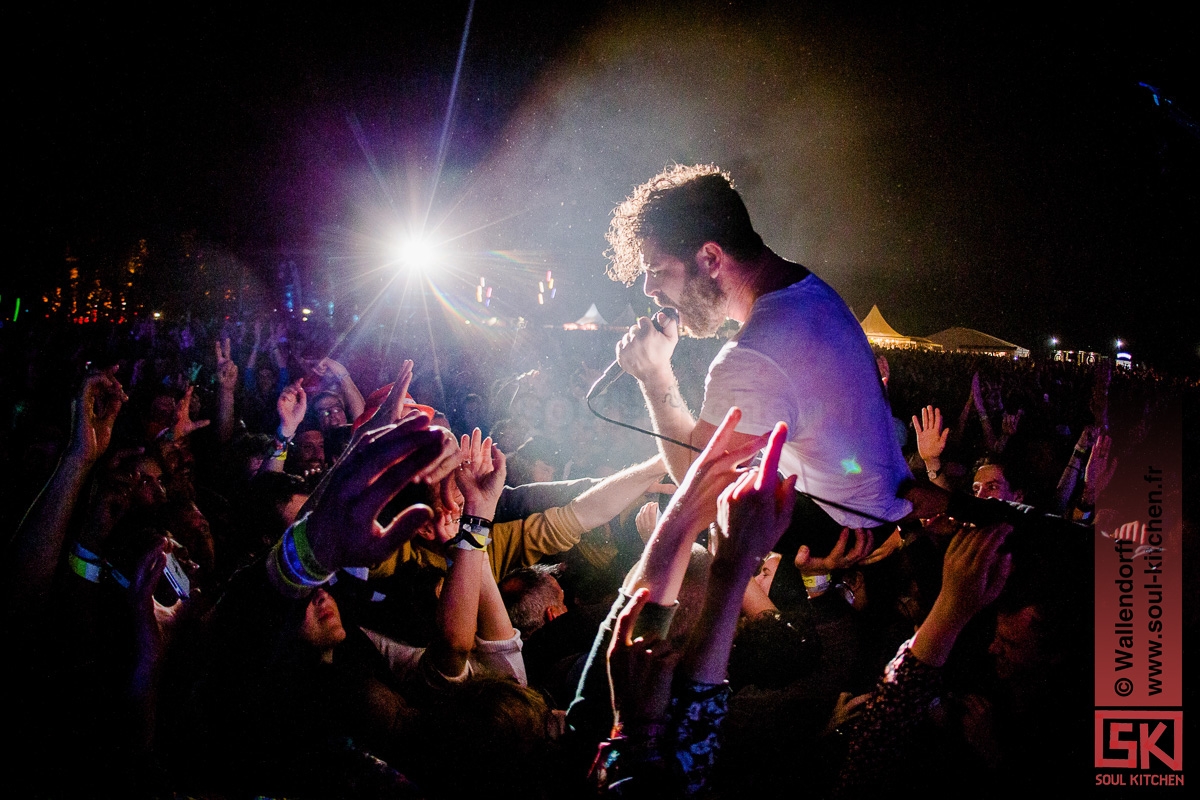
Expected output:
(338, 527)
(461, 611)
(752, 514)
(931, 443)
(291, 405)
(1072, 472)
(613, 495)
(33, 554)
(355, 405)
(973, 574)
(666, 556)
(227, 384)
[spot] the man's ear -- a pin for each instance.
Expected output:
(710, 258)
(555, 611)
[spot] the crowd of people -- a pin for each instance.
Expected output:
(256, 560)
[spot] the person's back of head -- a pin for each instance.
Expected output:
(533, 597)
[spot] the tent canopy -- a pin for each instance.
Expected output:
(876, 325)
(970, 339)
(880, 333)
(592, 317)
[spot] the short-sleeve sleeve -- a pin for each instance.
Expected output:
(754, 383)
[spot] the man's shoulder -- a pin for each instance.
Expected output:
(804, 296)
(800, 315)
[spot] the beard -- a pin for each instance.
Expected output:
(701, 306)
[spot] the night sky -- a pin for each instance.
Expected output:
(999, 169)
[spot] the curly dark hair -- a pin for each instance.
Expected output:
(680, 208)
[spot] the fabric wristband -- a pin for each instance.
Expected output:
(308, 558)
(284, 576)
(84, 553)
(294, 562)
(299, 555)
(281, 445)
(473, 533)
(816, 583)
(93, 571)
(88, 570)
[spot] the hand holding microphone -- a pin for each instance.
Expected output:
(644, 352)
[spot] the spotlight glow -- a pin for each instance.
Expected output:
(416, 253)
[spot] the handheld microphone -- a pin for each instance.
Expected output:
(607, 379)
(614, 371)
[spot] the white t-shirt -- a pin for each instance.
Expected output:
(802, 358)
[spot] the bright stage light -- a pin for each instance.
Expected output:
(416, 253)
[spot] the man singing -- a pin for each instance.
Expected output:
(800, 356)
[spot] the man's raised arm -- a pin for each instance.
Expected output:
(645, 353)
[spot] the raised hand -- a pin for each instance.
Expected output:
(279, 337)
(890, 545)
(754, 511)
(696, 500)
(665, 559)
(227, 371)
(95, 411)
(327, 366)
(1087, 438)
(973, 574)
(155, 623)
(639, 670)
(342, 526)
(291, 405)
(389, 410)
(480, 475)
(931, 436)
(184, 425)
(977, 394)
(974, 571)
(1009, 422)
(1100, 469)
